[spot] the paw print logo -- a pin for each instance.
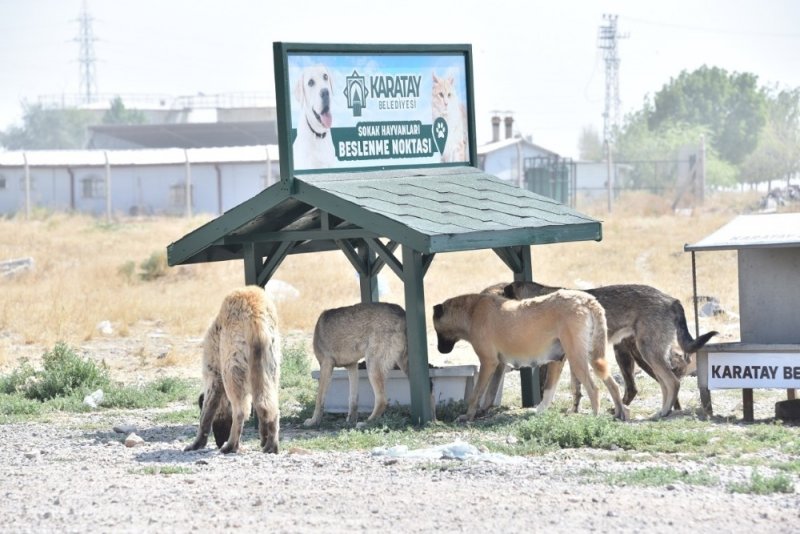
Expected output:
(440, 134)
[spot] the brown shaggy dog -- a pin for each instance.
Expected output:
(529, 332)
(241, 367)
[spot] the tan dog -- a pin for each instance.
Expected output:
(313, 147)
(241, 367)
(374, 331)
(529, 332)
(643, 322)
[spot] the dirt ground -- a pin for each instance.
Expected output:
(75, 474)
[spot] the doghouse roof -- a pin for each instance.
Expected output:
(439, 210)
(776, 230)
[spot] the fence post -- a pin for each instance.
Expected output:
(188, 184)
(108, 187)
(27, 186)
(609, 177)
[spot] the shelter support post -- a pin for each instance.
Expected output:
(414, 266)
(252, 264)
(518, 259)
(705, 393)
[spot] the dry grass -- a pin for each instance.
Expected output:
(87, 271)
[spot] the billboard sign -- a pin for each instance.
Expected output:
(360, 107)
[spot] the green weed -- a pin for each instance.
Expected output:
(764, 485)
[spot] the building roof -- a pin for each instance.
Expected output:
(777, 230)
(156, 156)
(499, 145)
(430, 210)
(184, 135)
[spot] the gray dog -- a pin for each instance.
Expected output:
(375, 331)
(642, 324)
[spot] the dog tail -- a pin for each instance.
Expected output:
(264, 344)
(685, 340)
(598, 339)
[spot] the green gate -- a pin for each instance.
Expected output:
(551, 176)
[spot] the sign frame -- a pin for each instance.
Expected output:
(283, 92)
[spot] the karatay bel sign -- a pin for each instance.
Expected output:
(361, 107)
(753, 370)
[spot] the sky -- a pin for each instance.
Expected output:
(537, 60)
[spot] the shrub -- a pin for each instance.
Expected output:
(155, 266)
(64, 374)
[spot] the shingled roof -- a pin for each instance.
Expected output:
(430, 210)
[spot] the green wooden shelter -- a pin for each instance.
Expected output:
(368, 216)
(368, 208)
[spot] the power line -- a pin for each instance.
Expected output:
(704, 29)
(86, 57)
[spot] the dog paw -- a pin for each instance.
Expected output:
(625, 414)
(463, 419)
(229, 448)
(308, 423)
(270, 448)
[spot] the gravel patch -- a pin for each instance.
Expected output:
(78, 475)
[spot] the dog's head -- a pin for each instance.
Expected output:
(446, 339)
(223, 421)
(526, 290)
(314, 91)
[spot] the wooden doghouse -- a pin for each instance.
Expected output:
(768, 355)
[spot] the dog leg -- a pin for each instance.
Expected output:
(210, 405)
(580, 368)
(554, 369)
(268, 420)
(487, 368)
(670, 385)
(352, 414)
(234, 382)
(494, 385)
(237, 427)
(377, 380)
(627, 366)
(575, 389)
(621, 411)
(325, 374)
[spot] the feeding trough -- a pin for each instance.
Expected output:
(450, 384)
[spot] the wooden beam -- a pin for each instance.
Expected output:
(299, 235)
(386, 255)
(352, 255)
(273, 262)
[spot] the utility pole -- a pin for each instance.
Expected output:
(608, 37)
(86, 57)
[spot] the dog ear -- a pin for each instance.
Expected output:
(438, 311)
(299, 88)
(508, 291)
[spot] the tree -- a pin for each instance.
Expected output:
(731, 106)
(650, 154)
(777, 154)
(48, 129)
(118, 114)
(590, 146)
